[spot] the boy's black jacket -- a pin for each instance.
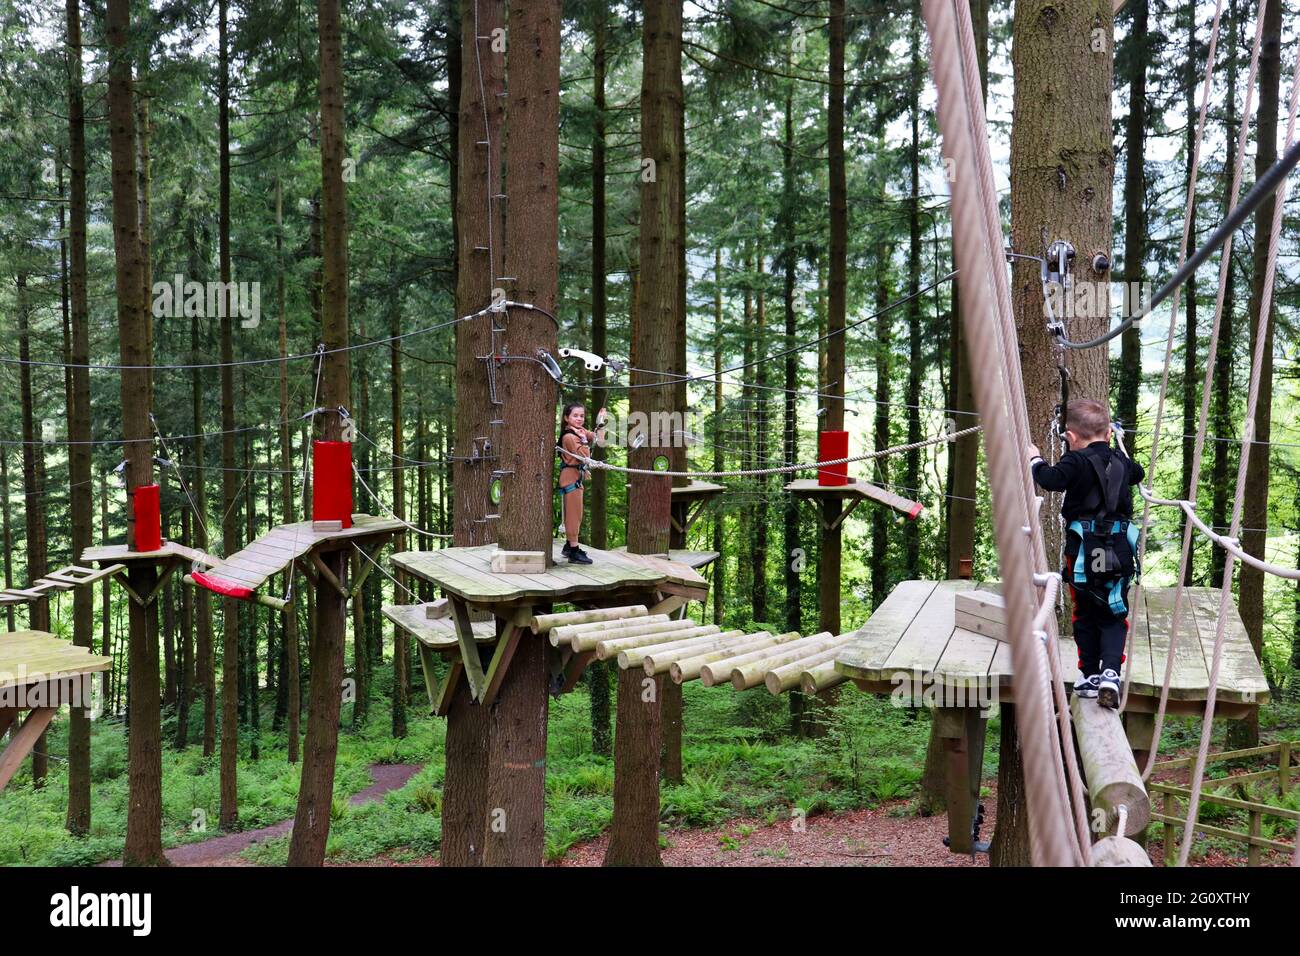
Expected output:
(1075, 476)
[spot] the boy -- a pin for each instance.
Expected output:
(1101, 542)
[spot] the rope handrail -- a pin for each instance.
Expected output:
(779, 470)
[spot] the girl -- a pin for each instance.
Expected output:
(576, 440)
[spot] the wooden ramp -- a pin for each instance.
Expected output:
(39, 673)
(856, 491)
(242, 573)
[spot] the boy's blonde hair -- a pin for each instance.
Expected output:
(1087, 418)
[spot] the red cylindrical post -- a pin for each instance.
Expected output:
(331, 498)
(148, 518)
(832, 445)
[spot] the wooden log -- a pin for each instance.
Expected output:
(656, 659)
(751, 674)
(518, 562)
(327, 526)
(789, 676)
(688, 668)
(572, 632)
(1118, 851)
(719, 671)
(1108, 765)
(822, 677)
(611, 648)
(545, 622)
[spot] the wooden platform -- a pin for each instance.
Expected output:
(120, 553)
(692, 559)
(438, 635)
(243, 572)
(856, 490)
(912, 638)
(39, 673)
(466, 573)
(694, 490)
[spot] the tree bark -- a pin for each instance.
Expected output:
(1130, 378)
(401, 642)
(638, 734)
(292, 668)
(880, 580)
(81, 502)
(911, 531)
(320, 748)
(1191, 366)
(229, 809)
(144, 754)
(1254, 536)
(1062, 177)
(516, 785)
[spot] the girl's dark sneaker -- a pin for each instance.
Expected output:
(1108, 690)
(578, 556)
(1086, 686)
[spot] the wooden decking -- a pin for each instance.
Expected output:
(694, 490)
(440, 634)
(912, 638)
(466, 573)
(30, 657)
(857, 490)
(692, 559)
(120, 553)
(64, 579)
(39, 673)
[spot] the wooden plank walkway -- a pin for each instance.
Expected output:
(692, 559)
(913, 634)
(253, 565)
(170, 549)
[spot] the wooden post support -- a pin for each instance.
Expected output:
(496, 672)
(1253, 851)
(1284, 767)
(1168, 810)
(1109, 767)
(323, 570)
(22, 742)
(962, 731)
(469, 649)
(1140, 728)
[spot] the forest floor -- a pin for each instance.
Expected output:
(224, 850)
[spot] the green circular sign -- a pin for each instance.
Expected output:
(494, 491)
(661, 463)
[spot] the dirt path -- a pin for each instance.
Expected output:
(220, 850)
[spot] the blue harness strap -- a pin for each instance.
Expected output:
(565, 489)
(1080, 571)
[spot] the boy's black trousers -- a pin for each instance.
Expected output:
(1099, 633)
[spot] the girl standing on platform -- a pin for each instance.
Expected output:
(575, 440)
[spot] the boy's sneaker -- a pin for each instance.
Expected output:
(1087, 686)
(578, 556)
(1108, 690)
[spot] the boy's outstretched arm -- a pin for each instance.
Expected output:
(1052, 477)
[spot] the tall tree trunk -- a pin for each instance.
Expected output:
(1061, 188)
(1221, 417)
(401, 642)
(829, 563)
(760, 440)
(634, 833)
(911, 531)
(204, 665)
(106, 603)
(479, 233)
(791, 567)
(360, 647)
(884, 382)
(37, 539)
(718, 587)
(144, 754)
(81, 502)
(1130, 378)
(185, 644)
(229, 809)
(293, 669)
(964, 461)
(320, 749)
(1191, 367)
(516, 783)
(8, 535)
(1254, 536)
